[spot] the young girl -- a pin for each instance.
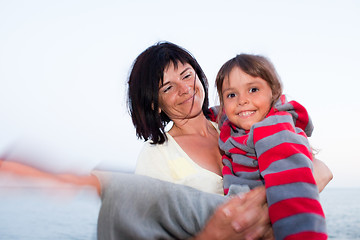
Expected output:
(264, 142)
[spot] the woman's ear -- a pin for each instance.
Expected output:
(153, 108)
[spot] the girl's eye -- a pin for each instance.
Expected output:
(231, 95)
(252, 90)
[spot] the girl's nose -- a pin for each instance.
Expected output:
(243, 100)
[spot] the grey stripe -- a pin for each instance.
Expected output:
(231, 179)
(249, 150)
(230, 143)
(287, 107)
(299, 189)
(299, 223)
(235, 189)
(249, 175)
(224, 146)
(309, 128)
(227, 163)
(274, 119)
(274, 140)
(294, 161)
(244, 160)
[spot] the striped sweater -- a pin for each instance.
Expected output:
(276, 152)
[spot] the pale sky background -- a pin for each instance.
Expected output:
(64, 67)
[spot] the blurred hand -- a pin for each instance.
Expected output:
(242, 217)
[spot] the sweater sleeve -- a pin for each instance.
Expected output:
(285, 163)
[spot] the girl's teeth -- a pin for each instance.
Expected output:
(247, 113)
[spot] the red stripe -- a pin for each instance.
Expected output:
(226, 171)
(242, 139)
(293, 206)
(283, 99)
(212, 115)
(302, 115)
(289, 176)
(307, 236)
(236, 150)
(225, 132)
(265, 131)
(281, 151)
(302, 134)
(242, 168)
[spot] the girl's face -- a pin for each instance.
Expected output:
(181, 95)
(246, 99)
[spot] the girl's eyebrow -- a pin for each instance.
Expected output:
(227, 89)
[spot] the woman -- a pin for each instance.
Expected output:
(168, 210)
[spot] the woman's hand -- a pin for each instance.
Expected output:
(322, 174)
(244, 217)
(21, 170)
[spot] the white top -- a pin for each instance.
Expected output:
(170, 163)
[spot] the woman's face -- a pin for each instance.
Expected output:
(181, 95)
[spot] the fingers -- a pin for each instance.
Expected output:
(252, 218)
(269, 234)
(241, 217)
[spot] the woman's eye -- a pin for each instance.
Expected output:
(187, 76)
(253, 90)
(167, 89)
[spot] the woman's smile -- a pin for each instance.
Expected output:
(189, 99)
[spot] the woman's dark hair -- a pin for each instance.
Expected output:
(255, 66)
(143, 88)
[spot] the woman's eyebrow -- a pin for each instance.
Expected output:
(164, 84)
(186, 69)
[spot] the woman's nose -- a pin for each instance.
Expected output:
(184, 88)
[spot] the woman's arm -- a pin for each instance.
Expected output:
(322, 174)
(22, 170)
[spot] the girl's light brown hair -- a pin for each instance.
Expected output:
(255, 66)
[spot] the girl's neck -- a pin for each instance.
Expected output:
(198, 125)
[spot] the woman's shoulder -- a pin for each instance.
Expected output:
(150, 150)
(152, 159)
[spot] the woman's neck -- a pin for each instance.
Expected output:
(198, 125)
